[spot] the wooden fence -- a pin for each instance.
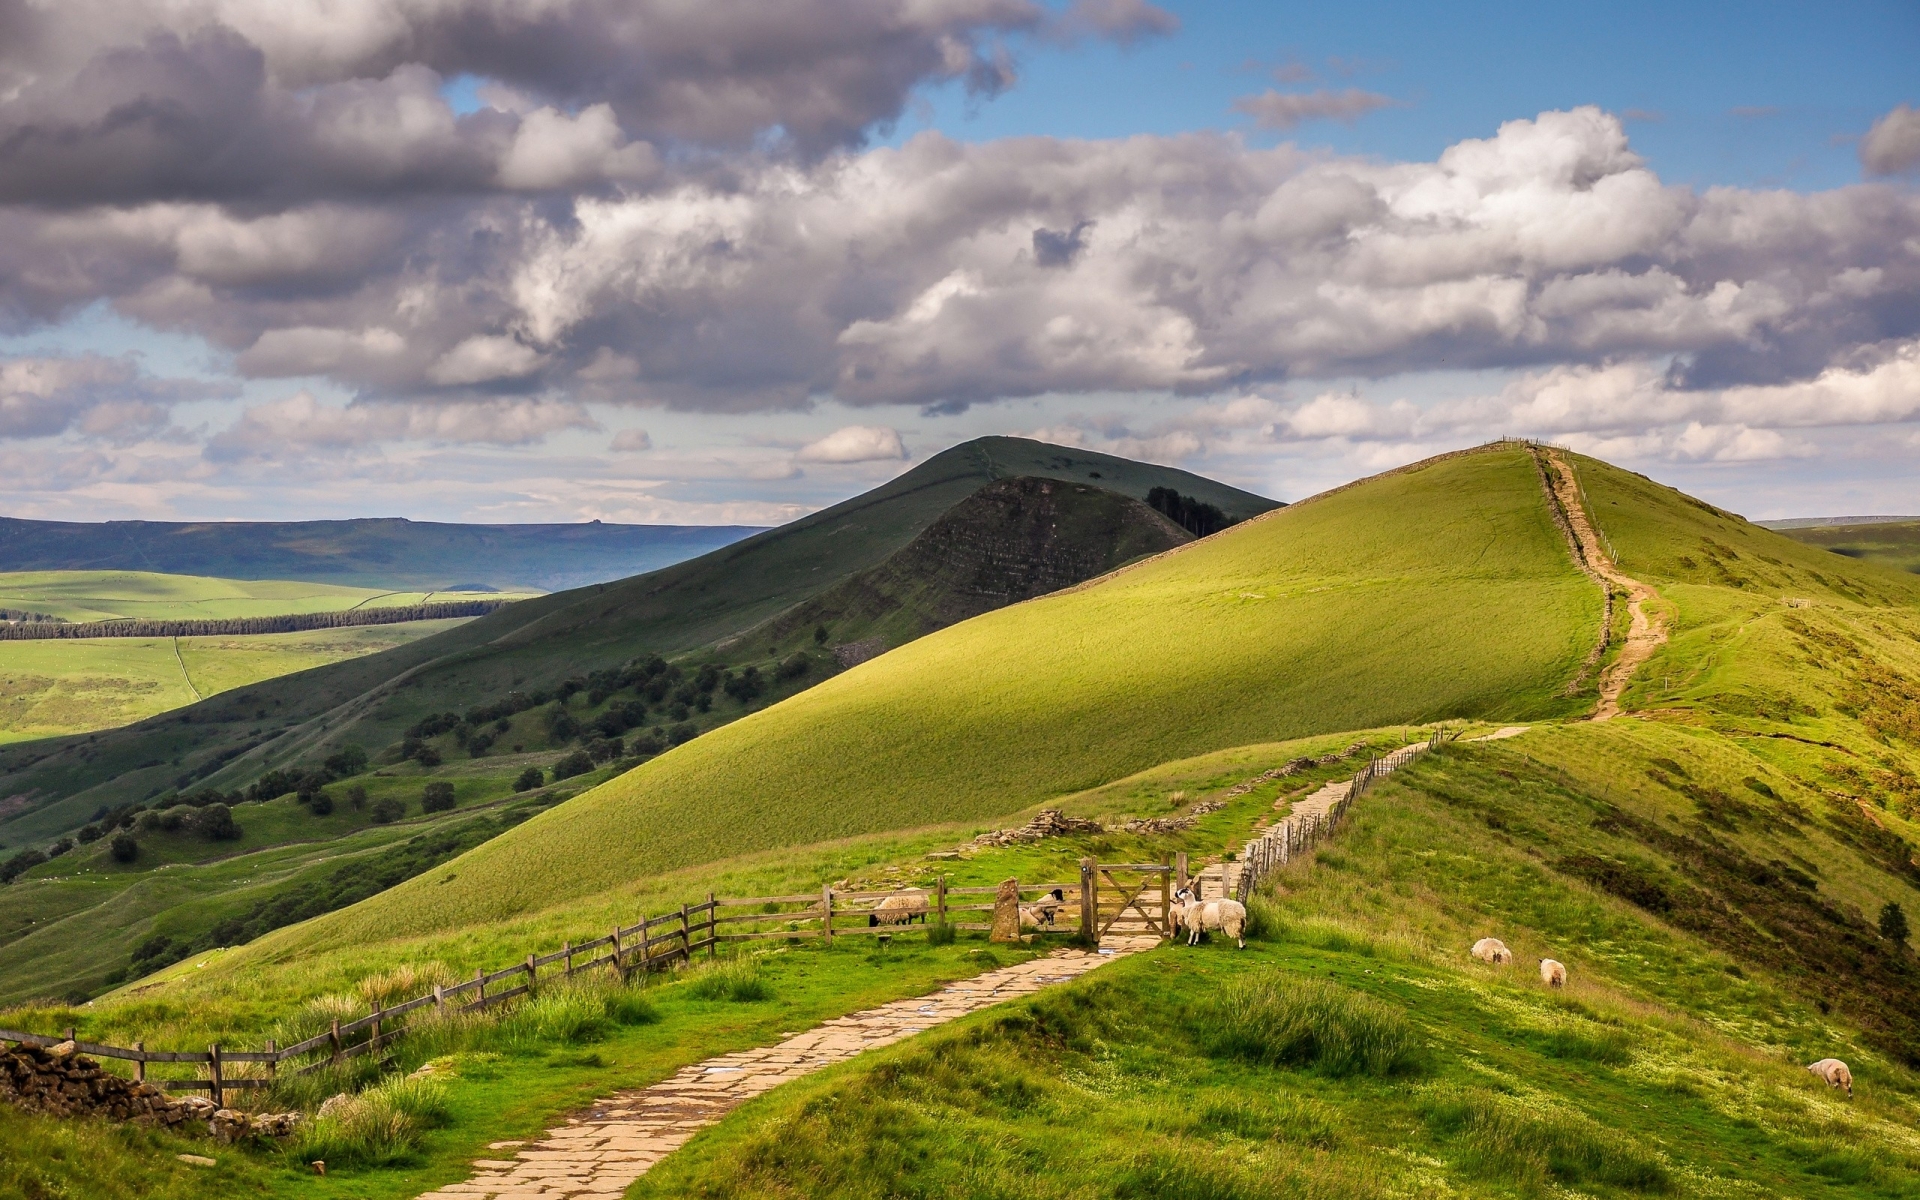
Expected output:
(1298, 833)
(655, 943)
(1108, 898)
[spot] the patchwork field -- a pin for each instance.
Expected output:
(49, 688)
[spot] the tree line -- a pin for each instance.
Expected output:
(227, 626)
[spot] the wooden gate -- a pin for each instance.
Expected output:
(1125, 898)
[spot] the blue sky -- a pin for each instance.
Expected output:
(481, 284)
(1754, 95)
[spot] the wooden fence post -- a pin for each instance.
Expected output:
(1089, 903)
(1166, 905)
(826, 916)
(213, 1061)
(618, 967)
(480, 979)
(333, 1036)
(439, 999)
(646, 945)
(1180, 869)
(686, 938)
(140, 1064)
(566, 948)
(377, 1010)
(713, 928)
(533, 976)
(273, 1058)
(940, 898)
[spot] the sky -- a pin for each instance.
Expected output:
(638, 260)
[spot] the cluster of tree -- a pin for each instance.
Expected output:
(348, 883)
(205, 815)
(230, 626)
(1191, 514)
(309, 782)
(16, 616)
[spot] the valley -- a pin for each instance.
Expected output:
(1714, 866)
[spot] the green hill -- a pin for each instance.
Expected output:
(145, 595)
(1713, 869)
(1441, 591)
(55, 785)
(1893, 544)
(78, 921)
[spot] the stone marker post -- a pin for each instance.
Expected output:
(1006, 912)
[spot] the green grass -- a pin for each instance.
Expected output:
(677, 610)
(1448, 580)
(1894, 544)
(61, 687)
(146, 595)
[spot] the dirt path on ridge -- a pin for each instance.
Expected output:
(1647, 632)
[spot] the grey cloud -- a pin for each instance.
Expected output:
(906, 275)
(1058, 248)
(1123, 21)
(301, 425)
(1284, 110)
(285, 101)
(1892, 146)
(110, 399)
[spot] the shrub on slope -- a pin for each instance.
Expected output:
(1440, 591)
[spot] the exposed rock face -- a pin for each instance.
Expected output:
(60, 1082)
(1012, 540)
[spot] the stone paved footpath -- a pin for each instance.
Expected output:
(601, 1152)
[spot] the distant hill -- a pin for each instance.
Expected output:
(692, 607)
(1890, 541)
(380, 552)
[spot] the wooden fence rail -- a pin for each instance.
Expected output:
(654, 943)
(1299, 833)
(1104, 897)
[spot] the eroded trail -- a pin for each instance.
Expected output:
(1647, 631)
(602, 1151)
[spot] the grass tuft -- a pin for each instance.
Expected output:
(377, 1127)
(736, 979)
(1275, 1020)
(1535, 1141)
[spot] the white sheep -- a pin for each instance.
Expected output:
(900, 909)
(1494, 951)
(1834, 1073)
(1039, 914)
(1553, 974)
(1227, 916)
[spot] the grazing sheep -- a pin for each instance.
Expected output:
(900, 909)
(1039, 914)
(1227, 916)
(1553, 974)
(1834, 1073)
(1493, 950)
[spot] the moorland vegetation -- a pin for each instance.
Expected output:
(1714, 867)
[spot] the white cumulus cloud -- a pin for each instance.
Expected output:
(854, 444)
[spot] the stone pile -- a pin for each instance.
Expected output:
(61, 1082)
(1050, 823)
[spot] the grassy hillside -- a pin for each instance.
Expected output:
(379, 553)
(1440, 591)
(538, 643)
(111, 595)
(66, 687)
(1893, 544)
(1711, 868)
(1010, 541)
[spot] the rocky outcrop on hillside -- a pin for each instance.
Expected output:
(1012, 540)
